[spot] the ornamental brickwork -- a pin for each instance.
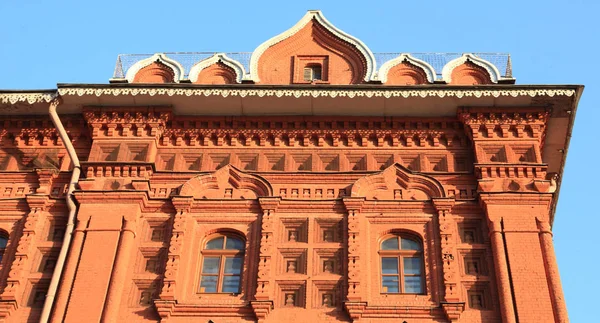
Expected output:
(246, 192)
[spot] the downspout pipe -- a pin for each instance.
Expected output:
(71, 206)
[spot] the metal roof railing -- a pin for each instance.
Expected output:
(502, 61)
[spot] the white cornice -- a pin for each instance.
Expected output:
(219, 57)
(489, 67)
(158, 57)
(28, 98)
(318, 16)
(332, 93)
(387, 66)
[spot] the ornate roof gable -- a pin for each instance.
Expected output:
(317, 17)
(236, 66)
(387, 66)
(156, 58)
(490, 68)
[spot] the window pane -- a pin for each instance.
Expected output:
(233, 243)
(215, 243)
(233, 265)
(3, 242)
(316, 73)
(389, 265)
(390, 284)
(412, 284)
(412, 266)
(208, 284)
(390, 244)
(211, 265)
(231, 284)
(408, 244)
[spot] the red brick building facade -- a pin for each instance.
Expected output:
(311, 180)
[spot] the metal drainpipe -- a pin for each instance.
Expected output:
(72, 207)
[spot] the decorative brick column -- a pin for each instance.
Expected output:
(168, 293)
(354, 303)
(453, 305)
(11, 296)
(263, 302)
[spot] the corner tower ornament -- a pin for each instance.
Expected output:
(313, 40)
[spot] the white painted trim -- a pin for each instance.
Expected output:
(219, 57)
(387, 66)
(315, 93)
(318, 16)
(158, 57)
(489, 67)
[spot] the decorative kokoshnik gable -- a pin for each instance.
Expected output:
(316, 52)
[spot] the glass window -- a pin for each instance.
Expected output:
(401, 265)
(222, 265)
(312, 73)
(3, 243)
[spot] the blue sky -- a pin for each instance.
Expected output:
(551, 42)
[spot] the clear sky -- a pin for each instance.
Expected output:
(551, 42)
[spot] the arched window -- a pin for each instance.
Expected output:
(223, 259)
(401, 265)
(3, 242)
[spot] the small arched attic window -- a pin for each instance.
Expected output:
(156, 69)
(469, 70)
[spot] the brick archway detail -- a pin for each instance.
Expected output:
(397, 183)
(227, 182)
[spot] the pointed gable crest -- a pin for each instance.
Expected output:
(397, 183)
(227, 182)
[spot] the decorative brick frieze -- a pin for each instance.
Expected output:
(123, 123)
